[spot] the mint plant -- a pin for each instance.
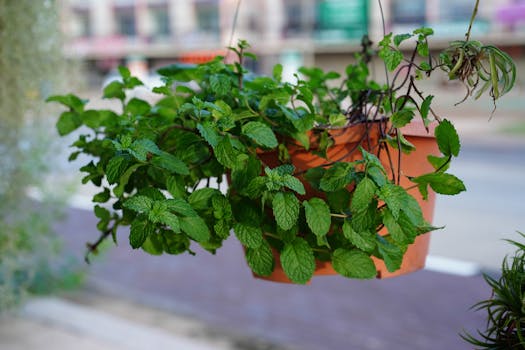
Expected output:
(155, 162)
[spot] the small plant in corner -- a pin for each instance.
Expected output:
(315, 168)
(505, 309)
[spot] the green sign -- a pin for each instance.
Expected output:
(343, 19)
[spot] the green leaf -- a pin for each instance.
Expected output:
(297, 260)
(391, 254)
(115, 89)
(293, 183)
(140, 204)
(124, 72)
(250, 236)
(402, 117)
(102, 197)
(278, 72)
(353, 264)
(363, 195)
(394, 196)
(260, 133)
(92, 118)
(180, 206)
(209, 132)
(391, 57)
(195, 227)
(226, 154)
(398, 39)
(442, 183)
(261, 259)
(425, 108)
(175, 243)
(220, 84)
(137, 107)
(75, 103)
(201, 199)
(364, 240)
(441, 163)
(140, 230)
(447, 138)
(285, 209)
(337, 177)
(171, 163)
(141, 148)
(318, 216)
(221, 207)
(166, 218)
(153, 245)
(402, 230)
(366, 220)
(68, 122)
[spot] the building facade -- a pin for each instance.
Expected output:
(313, 30)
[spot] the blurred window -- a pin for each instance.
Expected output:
(455, 10)
(295, 18)
(82, 21)
(207, 12)
(161, 20)
(125, 20)
(408, 12)
(341, 19)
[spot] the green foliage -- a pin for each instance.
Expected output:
(504, 309)
(159, 161)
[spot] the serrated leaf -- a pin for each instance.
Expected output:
(391, 254)
(220, 84)
(166, 218)
(285, 209)
(222, 229)
(68, 122)
(363, 195)
(226, 154)
(391, 57)
(447, 138)
(250, 236)
(209, 132)
(441, 183)
(353, 264)
(293, 183)
(195, 227)
(142, 147)
(365, 220)
(297, 260)
(180, 206)
(261, 259)
(140, 230)
(394, 196)
(337, 177)
(317, 216)
(400, 230)
(171, 163)
(91, 118)
(260, 133)
(201, 199)
(140, 204)
(364, 240)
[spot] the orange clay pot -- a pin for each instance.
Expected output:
(346, 143)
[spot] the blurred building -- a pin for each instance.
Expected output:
(324, 32)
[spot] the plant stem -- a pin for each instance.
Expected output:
(344, 216)
(474, 13)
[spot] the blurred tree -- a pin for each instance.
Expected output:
(31, 67)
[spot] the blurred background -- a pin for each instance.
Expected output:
(128, 300)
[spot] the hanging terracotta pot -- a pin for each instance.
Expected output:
(345, 149)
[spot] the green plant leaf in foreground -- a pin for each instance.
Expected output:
(447, 138)
(353, 264)
(297, 260)
(261, 259)
(286, 209)
(317, 216)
